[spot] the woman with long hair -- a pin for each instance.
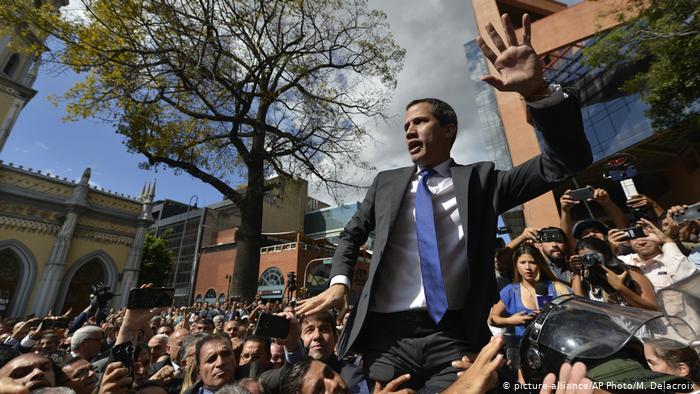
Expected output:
(518, 305)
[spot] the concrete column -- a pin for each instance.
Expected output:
(52, 276)
(130, 276)
(9, 121)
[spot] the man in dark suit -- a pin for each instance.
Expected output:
(431, 280)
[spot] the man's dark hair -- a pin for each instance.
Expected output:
(294, 378)
(51, 337)
(324, 316)
(7, 353)
(444, 112)
(207, 339)
(204, 320)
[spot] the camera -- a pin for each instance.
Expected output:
(101, 294)
(550, 235)
(592, 259)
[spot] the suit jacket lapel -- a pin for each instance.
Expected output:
(398, 185)
(460, 180)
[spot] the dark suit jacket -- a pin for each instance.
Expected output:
(482, 193)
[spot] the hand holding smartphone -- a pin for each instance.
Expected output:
(150, 297)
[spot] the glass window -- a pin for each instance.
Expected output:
(271, 277)
(210, 296)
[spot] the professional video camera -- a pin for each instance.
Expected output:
(100, 295)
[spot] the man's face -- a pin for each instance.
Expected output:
(217, 364)
(202, 327)
(82, 376)
(231, 328)
(48, 345)
(254, 351)
(428, 142)
(167, 330)
(219, 324)
(175, 342)
(320, 378)
(555, 251)
(31, 370)
(157, 348)
(646, 247)
(91, 345)
(276, 355)
(319, 338)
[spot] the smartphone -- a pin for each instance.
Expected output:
(271, 326)
(690, 213)
(581, 194)
(150, 297)
(633, 232)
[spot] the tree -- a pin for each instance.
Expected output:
(228, 90)
(156, 262)
(666, 35)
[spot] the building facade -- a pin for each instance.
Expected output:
(18, 72)
(614, 122)
(58, 237)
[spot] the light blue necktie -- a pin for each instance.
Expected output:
(433, 285)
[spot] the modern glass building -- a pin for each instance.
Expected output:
(329, 222)
(668, 162)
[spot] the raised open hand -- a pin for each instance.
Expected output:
(520, 69)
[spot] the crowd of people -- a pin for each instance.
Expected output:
(213, 347)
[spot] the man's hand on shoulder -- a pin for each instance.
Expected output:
(519, 68)
(336, 296)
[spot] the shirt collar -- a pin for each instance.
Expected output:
(443, 169)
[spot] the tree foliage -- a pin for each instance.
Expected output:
(666, 34)
(228, 90)
(156, 262)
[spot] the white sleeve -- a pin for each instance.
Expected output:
(342, 279)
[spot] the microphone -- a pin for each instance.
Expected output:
(543, 297)
(541, 289)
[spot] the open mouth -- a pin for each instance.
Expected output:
(414, 146)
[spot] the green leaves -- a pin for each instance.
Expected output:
(666, 33)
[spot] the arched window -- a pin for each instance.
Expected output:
(271, 277)
(210, 296)
(11, 65)
(222, 297)
(198, 298)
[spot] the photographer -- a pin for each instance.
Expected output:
(656, 255)
(603, 277)
(686, 234)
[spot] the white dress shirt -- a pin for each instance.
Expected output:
(664, 269)
(400, 286)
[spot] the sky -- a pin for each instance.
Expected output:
(433, 32)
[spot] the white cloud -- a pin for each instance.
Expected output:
(21, 150)
(433, 32)
(41, 145)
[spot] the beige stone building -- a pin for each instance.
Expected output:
(58, 237)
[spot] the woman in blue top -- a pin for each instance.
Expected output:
(518, 304)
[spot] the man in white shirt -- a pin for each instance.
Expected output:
(431, 281)
(658, 257)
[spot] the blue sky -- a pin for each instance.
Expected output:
(42, 141)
